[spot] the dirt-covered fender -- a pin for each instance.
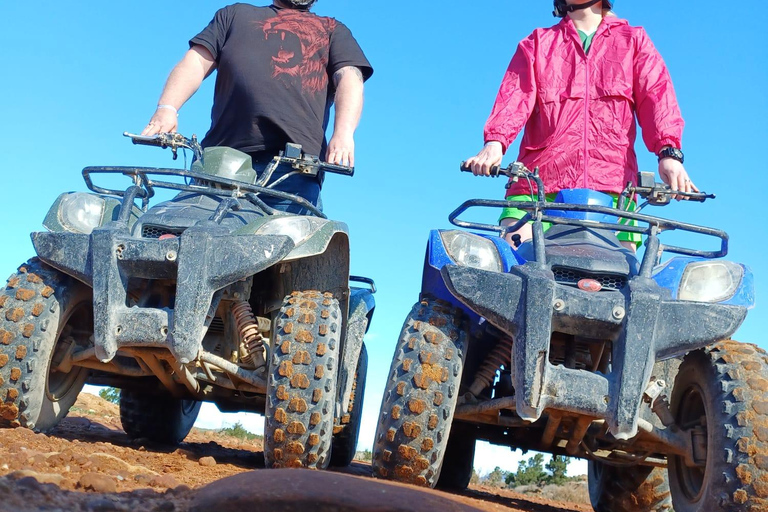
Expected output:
(361, 306)
(316, 244)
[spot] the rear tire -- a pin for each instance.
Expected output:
(43, 314)
(459, 458)
(628, 489)
(726, 385)
(345, 442)
(420, 397)
(301, 386)
(160, 418)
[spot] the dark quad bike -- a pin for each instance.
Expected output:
(210, 296)
(570, 345)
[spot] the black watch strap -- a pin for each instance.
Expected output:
(670, 152)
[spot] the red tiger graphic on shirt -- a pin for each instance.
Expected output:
(300, 43)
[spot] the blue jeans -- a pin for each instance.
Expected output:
(307, 187)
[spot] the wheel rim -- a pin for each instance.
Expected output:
(692, 413)
(77, 329)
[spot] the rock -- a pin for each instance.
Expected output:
(166, 481)
(165, 506)
(43, 478)
(142, 479)
(103, 505)
(207, 462)
(291, 489)
(98, 483)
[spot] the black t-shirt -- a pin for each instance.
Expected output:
(274, 83)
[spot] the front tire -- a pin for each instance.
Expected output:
(160, 418)
(420, 397)
(43, 315)
(301, 386)
(628, 489)
(723, 391)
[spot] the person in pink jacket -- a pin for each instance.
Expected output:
(576, 89)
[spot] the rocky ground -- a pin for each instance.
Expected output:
(88, 464)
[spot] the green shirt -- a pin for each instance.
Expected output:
(586, 40)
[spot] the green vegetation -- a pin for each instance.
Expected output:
(238, 431)
(110, 395)
(530, 472)
(364, 455)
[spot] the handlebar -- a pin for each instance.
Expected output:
(655, 193)
(175, 141)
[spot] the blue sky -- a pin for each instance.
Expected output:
(78, 74)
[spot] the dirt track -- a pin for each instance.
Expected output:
(88, 464)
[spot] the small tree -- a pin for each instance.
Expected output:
(475, 478)
(558, 467)
(238, 431)
(496, 478)
(110, 395)
(529, 472)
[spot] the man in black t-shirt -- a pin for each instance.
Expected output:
(280, 68)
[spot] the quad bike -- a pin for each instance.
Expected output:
(210, 296)
(569, 344)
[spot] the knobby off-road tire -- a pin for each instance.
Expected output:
(42, 313)
(301, 386)
(345, 442)
(159, 418)
(727, 384)
(459, 457)
(628, 489)
(420, 397)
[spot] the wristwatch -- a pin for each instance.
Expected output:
(670, 152)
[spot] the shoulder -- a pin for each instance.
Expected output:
(621, 28)
(330, 24)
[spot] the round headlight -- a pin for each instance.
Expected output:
(81, 212)
(472, 250)
(710, 281)
(298, 228)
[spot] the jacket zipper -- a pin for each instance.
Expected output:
(586, 118)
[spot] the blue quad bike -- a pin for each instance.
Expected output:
(210, 296)
(570, 345)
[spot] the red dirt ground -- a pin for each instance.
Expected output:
(88, 464)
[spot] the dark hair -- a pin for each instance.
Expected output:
(560, 6)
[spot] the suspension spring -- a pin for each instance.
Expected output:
(501, 355)
(251, 339)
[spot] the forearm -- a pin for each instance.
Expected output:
(185, 79)
(348, 100)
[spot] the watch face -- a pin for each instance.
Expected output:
(672, 153)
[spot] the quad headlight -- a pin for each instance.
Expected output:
(472, 250)
(710, 281)
(298, 228)
(81, 212)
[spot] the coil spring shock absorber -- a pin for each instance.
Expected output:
(251, 339)
(501, 355)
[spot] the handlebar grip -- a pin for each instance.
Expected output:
(464, 168)
(152, 140)
(338, 169)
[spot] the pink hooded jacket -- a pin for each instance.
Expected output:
(579, 110)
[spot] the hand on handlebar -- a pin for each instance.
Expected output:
(489, 157)
(164, 120)
(341, 150)
(674, 174)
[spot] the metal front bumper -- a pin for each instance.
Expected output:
(643, 325)
(201, 261)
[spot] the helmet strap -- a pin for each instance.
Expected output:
(562, 10)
